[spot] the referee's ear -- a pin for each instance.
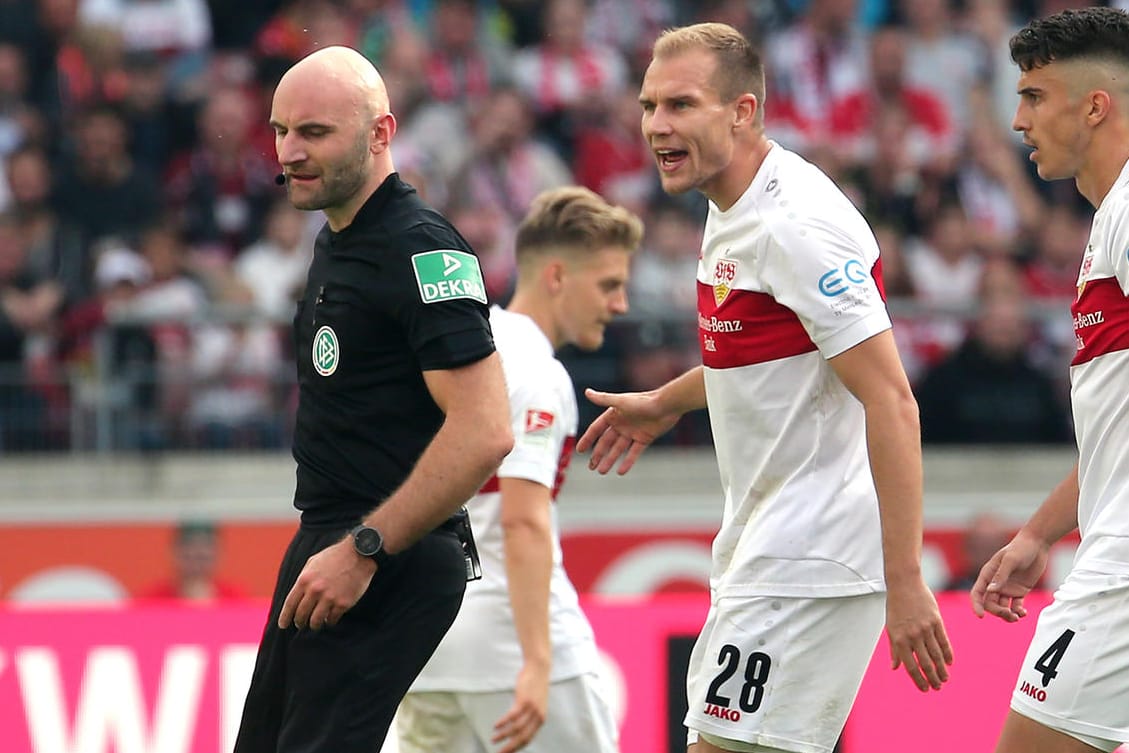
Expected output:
(383, 131)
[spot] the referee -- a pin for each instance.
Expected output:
(402, 415)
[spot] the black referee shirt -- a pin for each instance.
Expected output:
(395, 293)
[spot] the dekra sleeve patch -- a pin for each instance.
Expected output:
(447, 274)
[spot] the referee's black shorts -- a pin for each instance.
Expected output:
(336, 690)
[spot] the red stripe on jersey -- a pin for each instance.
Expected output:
(562, 465)
(747, 328)
(1101, 320)
(492, 484)
(876, 273)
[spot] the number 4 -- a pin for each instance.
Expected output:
(1047, 664)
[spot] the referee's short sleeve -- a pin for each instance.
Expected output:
(439, 300)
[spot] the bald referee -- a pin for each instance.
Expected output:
(402, 415)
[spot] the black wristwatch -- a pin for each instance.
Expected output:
(369, 543)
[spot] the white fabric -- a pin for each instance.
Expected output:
(481, 651)
(579, 719)
(792, 264)
(761, 670)
(1081, 688)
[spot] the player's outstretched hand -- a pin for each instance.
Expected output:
(918, 640)
(332, 581)
(1008, 577)
(632, 421)
(531, 703)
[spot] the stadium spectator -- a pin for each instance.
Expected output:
(274, 267)
(196, 554)
(29, 307)
(508, 166)
(20, 122)
(221, 190)
(563, 74)
(943, 261)
(55, 245)
(99, 188)
(890, 186)
(990, 390)
(1003, 208)
(936, 44)
(984, 535)
(234, 400)
(610, 158)
(818, 59)
(930, 139)
(1051, 273)
(465, 61)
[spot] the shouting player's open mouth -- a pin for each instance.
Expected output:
(670, 159)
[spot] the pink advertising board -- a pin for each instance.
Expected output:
(169, 679)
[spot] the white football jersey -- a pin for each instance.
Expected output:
(1099, 387)
(481, 651)
(789, 277)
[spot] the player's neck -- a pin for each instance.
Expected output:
(731, 185)
(1101, 171)
(532, 305)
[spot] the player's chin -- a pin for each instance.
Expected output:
(593, 339)
(676, 183)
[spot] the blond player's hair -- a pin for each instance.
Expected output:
(574, 220)
(740, 69)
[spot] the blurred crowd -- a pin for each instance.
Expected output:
(148, 260)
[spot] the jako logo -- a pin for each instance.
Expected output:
(834, 283)
(1038, 694)
(729, 715)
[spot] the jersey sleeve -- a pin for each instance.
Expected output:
(440, 300)
(540, 422)
(826, 274)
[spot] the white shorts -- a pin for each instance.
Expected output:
(781, 672)
(1074, 676)
(579, 718)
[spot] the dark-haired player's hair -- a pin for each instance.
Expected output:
(1093, 33)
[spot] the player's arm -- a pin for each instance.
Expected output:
(473, 439)
(873, 372)
(1013, 571)
(633, 420)
(528, 546)
(467, 449)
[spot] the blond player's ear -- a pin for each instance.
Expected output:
(553, 274)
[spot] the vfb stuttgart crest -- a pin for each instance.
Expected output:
(326, 351)
(1087, 265)
(723, 276)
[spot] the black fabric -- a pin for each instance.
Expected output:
(360, 430)
(337, 689)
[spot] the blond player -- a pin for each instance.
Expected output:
(518, 667)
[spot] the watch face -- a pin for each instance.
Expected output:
(367, 541)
